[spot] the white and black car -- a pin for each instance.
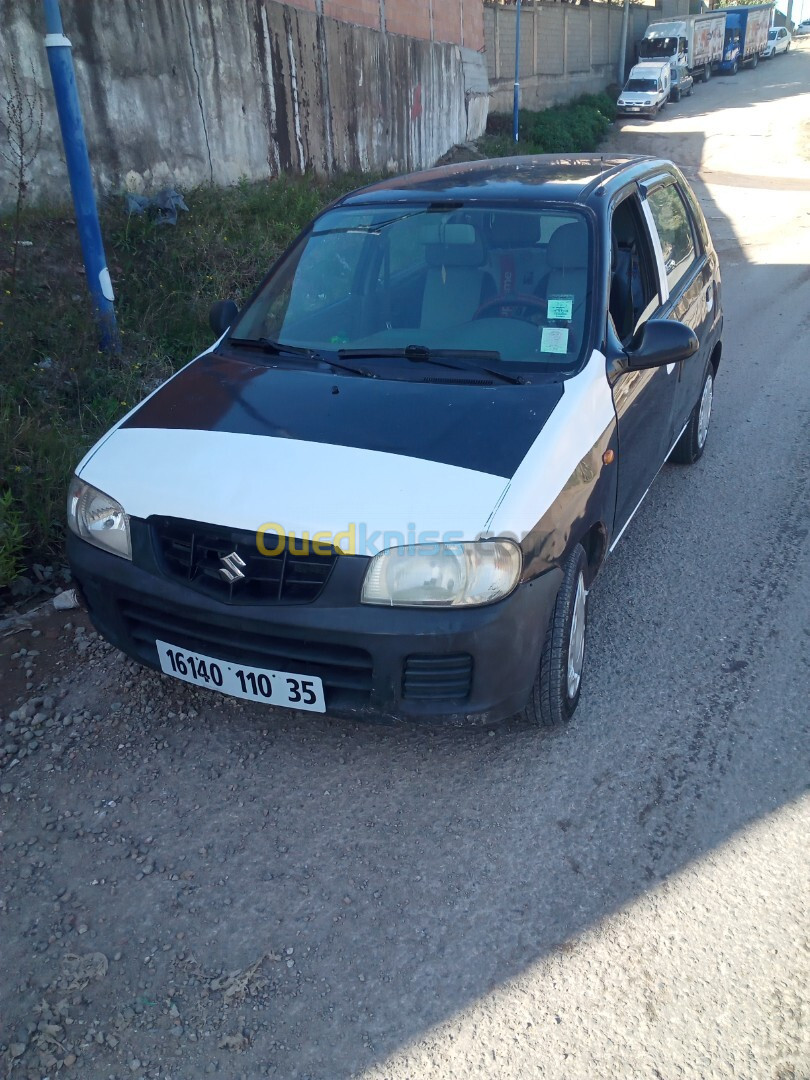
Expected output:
(388, 488)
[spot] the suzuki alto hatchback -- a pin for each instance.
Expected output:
(388, 488)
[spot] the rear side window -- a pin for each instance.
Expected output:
(674, 227)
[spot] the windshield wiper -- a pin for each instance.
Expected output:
(278, 348)
(421, 354)
(374, 229)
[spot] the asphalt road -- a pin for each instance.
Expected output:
(627, 897)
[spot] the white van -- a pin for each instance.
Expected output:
(647, 89)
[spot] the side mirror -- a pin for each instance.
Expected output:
(659, 342)
(221, 315)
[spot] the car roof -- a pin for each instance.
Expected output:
(539, 178)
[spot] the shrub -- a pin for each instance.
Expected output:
(576, 127)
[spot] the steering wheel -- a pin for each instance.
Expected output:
(521, 306)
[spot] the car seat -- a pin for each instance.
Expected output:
(456, 283)
(567, 257)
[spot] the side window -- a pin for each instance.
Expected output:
(634, 279)
(674, 228)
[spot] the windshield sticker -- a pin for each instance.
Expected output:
(554, 339)
(561, 307)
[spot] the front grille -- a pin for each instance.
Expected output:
(344, 669)
(192, 553)
(437, 678)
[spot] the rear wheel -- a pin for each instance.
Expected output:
(707, 73)
(556, 690)
(755, 60)
(692, 443)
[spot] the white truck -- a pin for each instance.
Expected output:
(646, 90)
(695, 40)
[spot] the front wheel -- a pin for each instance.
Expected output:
(557, 686)
(692, 443)
(676, 96)
(735, 67)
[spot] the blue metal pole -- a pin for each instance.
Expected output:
(516, 104)
(60, 61)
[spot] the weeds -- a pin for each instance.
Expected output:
(58, 393)
(565, 129)
(12, 537)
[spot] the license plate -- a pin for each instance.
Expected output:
(283, 688)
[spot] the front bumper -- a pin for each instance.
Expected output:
(396, 664)
(637, 110)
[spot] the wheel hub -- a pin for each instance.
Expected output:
(704, 415)
(576, 642)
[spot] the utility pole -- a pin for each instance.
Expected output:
(516, 103)
(623, 42)
(60, 61)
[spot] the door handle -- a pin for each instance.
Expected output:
(710, 298)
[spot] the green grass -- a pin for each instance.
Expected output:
(58, 393)
(576, 127)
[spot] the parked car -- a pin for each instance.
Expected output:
(778, 41)
(389, 486)
(647, 89)
(802, 28)
(681, 82)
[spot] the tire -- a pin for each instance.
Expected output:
(676, 96)
(557, 687)
(735, 67)
(692, 443)
(707, 73)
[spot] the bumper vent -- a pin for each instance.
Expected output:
(437, 678)
(192, 554)
(346, 671)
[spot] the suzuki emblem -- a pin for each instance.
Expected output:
(231, 569)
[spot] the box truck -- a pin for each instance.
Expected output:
(695, 40)
(746, 36)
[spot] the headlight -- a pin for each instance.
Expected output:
(98, 519)
(443, 575)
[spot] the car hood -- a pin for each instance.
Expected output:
(242, 444)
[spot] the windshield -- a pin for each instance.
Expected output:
(655, 47)
(514, 283)
(641, 86)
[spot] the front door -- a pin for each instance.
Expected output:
(690, 283)
(644, 400)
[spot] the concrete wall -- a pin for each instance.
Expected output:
(565, 50)
(184, 92)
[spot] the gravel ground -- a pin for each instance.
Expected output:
(191, 886)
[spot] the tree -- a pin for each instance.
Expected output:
(23, 134)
